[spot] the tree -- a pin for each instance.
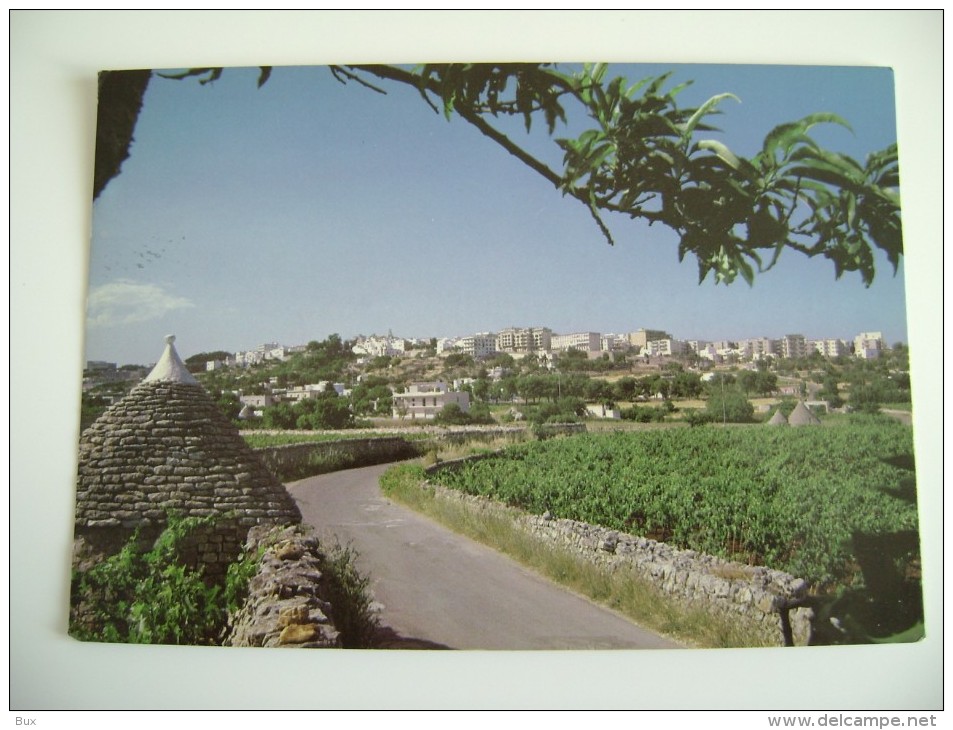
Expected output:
(686, 385)
(372, 396)
(600, 391)
(626, 389)
(452, 415)
(196, 363)
(766, 383)
(729, 406)
(229, 404)
(481, 387)
(831, 392)
(458, 360)
(747, 381)
(280, 416)
(642, 157)
(327, 411)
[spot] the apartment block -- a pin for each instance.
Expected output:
(757, 348)
(830, 347)
(868, 345)
(585, 341)
(793, 346)
(642, 337)
(524, 339)
(664, 348)
(480, 345)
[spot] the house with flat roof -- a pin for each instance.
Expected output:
(426, 400)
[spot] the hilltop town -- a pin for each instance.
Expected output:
(526, 372)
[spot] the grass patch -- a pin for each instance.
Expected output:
(271, 439)
(349, 595)
(622, 591)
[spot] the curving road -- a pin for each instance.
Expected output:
(439, 589)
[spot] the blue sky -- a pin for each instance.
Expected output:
(306, 208)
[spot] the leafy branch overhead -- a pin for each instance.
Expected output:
(644, 157)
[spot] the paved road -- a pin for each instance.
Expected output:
(439, 589)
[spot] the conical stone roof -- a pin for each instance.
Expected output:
(778, 419)
(167, 448)
(802, 416)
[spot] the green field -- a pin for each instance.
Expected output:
(797, 499)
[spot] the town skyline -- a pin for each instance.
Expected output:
(306, 207)
(455, 339)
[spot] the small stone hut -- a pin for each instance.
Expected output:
(166, 449)
(802, 416)
(778, 419)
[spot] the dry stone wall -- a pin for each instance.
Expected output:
(296, 461)
(768, 603)
(286, 605)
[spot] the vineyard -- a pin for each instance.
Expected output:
(795, 499)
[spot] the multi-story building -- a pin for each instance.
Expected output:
(585, 341)
(830, 347)
(664, 348)
(446, 344)
(426, 400)
(267, 351)
(258, 401)
(312, 390)
(705, 350)
(615, 342)
(868, 345)
(759, 347)
(480, 345)
(375, 346)
(524, 339)
(794, 346)
(642, 337)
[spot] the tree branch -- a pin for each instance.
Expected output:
(393, 73)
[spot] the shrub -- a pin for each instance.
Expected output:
(149, 597)
(452, 415)
(645, 414)
(352, 610)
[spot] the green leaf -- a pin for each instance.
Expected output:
(704, 110)
(721, 151)
(747, 272)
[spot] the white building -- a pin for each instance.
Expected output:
(480, 345)
(603, 411)
(585, 341)
(524, 339)
(445, 344)
(375, 346)
(794, 346)
(758, 348)
(426, 400)
(258, 401)
(830, 347)
(666, 347)
(707, 351)
(868, 345)
(642, 337)
(312, 390)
